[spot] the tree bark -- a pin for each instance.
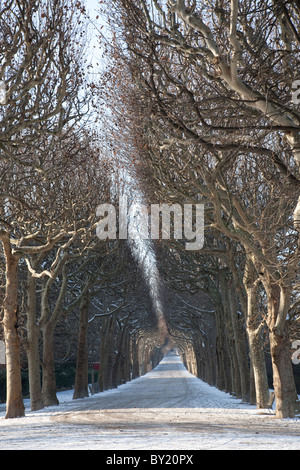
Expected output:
(32, 348)
(135, 357)
(103, 356)
(283, 376)
(106, 353)
(224, 348)
(254, 327)
(48, 322)
(110, 341)
(49, 381)
(81, 379)
(14, 401)
(116, 369)
(240, 340)
(259, 368)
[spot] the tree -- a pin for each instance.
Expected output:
(42, 74)
(42, 71)
(45, 233)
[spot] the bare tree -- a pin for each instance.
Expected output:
(41, 72)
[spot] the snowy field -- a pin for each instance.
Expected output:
(167, 409)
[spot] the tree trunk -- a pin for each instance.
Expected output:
(81, 380)
(257, 355)
(32, 348)
(125, 360)
(106, 353)
(226, 356)
(212, 365)
(240, 345)
(135, 357)
(103, 356)
(283, 377)
(120, 372)
(34, 371)
(14, 401)
(49, 381)
(48, 324)
(117, 360)
(254, 328)
(220, 379)
(111, 338)
(128, 361)
(252, 400)
(258, 364)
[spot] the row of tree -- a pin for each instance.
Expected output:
(198, 111)
(206, 95)
(64, 292)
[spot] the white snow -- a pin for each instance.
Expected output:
(167, 409)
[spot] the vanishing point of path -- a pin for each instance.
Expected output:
(166, 409)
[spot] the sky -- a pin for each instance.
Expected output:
(93, 7)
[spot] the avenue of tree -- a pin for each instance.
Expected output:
(197, 109)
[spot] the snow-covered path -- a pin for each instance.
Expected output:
(166, 409)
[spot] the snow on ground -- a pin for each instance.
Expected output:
(167, 409)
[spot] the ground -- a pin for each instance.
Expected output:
(167, 409)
